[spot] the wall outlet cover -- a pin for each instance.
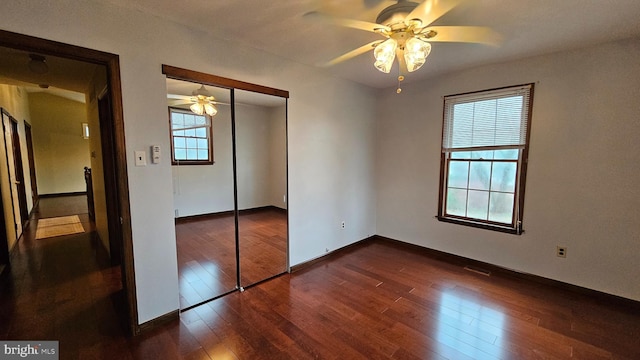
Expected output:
(141, 158)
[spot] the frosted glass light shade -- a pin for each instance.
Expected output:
(385, 53)
(210, 109)
(415, 53)
(197, 108)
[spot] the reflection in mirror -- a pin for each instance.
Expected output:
(261, 156)
(202, 157)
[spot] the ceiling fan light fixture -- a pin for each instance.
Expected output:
(415, 53)
(210, 109)
(385, 53)
(203, 106)
(203, 102)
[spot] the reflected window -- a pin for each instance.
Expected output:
(484, 154)
(191, 138)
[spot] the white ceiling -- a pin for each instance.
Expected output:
(278, 26)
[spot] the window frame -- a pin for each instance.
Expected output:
(521, 172)
(175, 162)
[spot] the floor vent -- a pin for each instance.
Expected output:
(478, 270)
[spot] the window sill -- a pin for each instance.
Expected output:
(188, 162)
(481, 225)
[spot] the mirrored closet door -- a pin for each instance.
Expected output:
(203, 187)
(229, 165)
(261, 174)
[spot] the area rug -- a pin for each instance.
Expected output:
(58, 226)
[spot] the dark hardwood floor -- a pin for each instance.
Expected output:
(206, 258)
(207, 252)
(374, 300)
(263, 244)
(62, 288)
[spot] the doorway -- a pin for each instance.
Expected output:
(231, 208)
(116, 157)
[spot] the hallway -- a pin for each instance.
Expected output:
(62, 288)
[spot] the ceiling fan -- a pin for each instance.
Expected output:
(201, 101)
(408, 34)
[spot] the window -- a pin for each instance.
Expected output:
(85, 130)
(191, 138)
(485, 144)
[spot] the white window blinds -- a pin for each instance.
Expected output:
(494, 119)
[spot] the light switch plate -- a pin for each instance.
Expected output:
(141, 158)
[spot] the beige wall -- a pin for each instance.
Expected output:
(60, 151)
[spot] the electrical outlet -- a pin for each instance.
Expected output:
(561, 251)
(342, 225)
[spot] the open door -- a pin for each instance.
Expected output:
(4, 242)
(11, 171)
(108, 147)
(32, 164)
(19, 174)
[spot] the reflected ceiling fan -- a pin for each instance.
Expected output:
(201, 101)
(406, 27)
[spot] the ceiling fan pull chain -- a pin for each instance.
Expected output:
(400, 78)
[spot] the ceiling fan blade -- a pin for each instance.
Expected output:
(179, 102)
(176, 96)
(468, 34)
(350, 23)
(430, 10)
(353, 53)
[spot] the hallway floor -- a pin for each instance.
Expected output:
(62, 288)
